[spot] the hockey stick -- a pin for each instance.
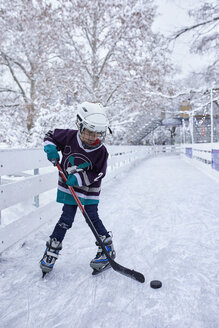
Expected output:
(117, 267)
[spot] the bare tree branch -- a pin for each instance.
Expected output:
(111, 94)
(110, 52)
(7, 90)
(14, 77)
(79, 54)
(9, 106)
(186, 29)
(16, 63)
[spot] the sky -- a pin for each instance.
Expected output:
(173, 14)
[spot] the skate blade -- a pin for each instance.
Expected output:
(43, 274)
(95, 272)
(45, 269)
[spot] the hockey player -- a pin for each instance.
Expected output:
(84, 162)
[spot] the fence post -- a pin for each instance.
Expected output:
(192, 126)
(36, 198)
(212, 118)
(0, 210)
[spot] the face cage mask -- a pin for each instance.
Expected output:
(96, 144)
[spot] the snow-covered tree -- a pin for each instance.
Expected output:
(26, 53)
(205, 35)
(55, 54)
(117, 57)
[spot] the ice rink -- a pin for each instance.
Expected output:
(164, 215)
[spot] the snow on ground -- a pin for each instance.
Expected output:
(164, 215)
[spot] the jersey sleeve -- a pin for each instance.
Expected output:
(58, 138)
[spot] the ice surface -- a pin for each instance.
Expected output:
(164, 215)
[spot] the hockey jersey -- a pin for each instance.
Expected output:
(88, 166)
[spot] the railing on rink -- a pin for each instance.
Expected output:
(204, 153)
(21, 183)
(26, 176)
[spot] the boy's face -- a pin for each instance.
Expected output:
(89, 137)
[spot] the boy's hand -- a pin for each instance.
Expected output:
(52, 154)
(72, 180)
(54, 161)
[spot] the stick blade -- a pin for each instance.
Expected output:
(128, 273)
(138, 276)
(134, 275)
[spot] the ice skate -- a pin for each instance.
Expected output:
(100, 262)
(53, 246)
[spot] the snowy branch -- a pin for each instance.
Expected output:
(16, 63)
(186, 92)
(186, 29)
(111, 94)
(110, 52)
(14, 77)
(79, 54)
(7, 90)
(9, 106)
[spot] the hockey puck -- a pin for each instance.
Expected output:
(155, 284)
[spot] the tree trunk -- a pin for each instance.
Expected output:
(30, 116)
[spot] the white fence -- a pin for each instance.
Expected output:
(206, 153)
(26, 173)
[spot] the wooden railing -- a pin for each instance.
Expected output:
(26, 173)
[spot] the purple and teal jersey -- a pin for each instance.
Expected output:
(88, 166)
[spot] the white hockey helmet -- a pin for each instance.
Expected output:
(92, 116)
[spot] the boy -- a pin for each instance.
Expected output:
(84, 162)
